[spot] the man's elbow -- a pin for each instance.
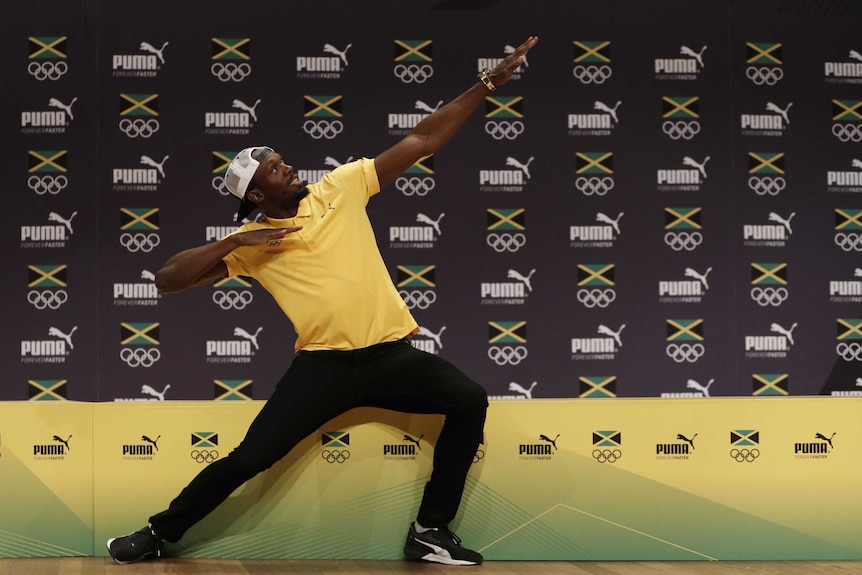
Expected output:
(165, 284)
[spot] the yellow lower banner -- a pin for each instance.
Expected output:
(46, 474)
(598, 479)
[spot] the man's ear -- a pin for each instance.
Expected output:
(254, 195)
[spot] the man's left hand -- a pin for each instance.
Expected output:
(503, 71)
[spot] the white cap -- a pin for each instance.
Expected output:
(240, 173)
(241, 170)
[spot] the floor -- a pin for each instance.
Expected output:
(104, 566)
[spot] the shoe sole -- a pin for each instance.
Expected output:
(141, 558)
(434, 558)
(424, 552)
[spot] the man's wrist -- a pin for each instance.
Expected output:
(233, 241)
(485, 77)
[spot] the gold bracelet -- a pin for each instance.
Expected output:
(485, 77)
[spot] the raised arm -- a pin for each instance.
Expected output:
(435, 130)
(205, 264)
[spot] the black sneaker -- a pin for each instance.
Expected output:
(438, 546)
(136, 546)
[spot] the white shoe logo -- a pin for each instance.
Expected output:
(528, 393)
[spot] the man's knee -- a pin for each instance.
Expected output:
(474, 398)
(480, 396)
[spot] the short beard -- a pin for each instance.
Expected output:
(300, 195)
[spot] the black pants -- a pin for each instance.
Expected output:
(320, 385)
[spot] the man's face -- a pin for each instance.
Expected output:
(277, 181)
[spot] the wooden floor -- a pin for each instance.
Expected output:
(104, 566)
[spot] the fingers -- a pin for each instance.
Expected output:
(281, 232)
(517, 57)
(262, 236)
(528, 43)
(511, 62)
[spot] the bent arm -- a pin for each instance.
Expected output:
(194, 266)
(205, 264)
(435, 130)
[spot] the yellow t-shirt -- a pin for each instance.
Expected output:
(329, 277)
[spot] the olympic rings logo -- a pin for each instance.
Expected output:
(47, 184)
(849, 351)
(504, 129)
(761, 75)
(680, 130)
(849, 241)
(847, 132)
(748, 455)
(323, 128)
(421, 299)
(607, 455)
(766, 185)
(139, 242)
(231, 72)
(232, 299)
(410, 73)
(596, 297)
(592, 74)
(218, 185)
(594, 185)
(139, 128)
(414, 185)
(335, 455)
(506, 242)
(204, 455)
(508, 355)
(685, 352)
(765, 296)
(140, 357)
(687, 241)
(42, 299)
(478, 456)
(47, 70)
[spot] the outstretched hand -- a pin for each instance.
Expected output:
(502, 72)
(264, 236)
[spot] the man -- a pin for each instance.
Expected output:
(314, 251)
